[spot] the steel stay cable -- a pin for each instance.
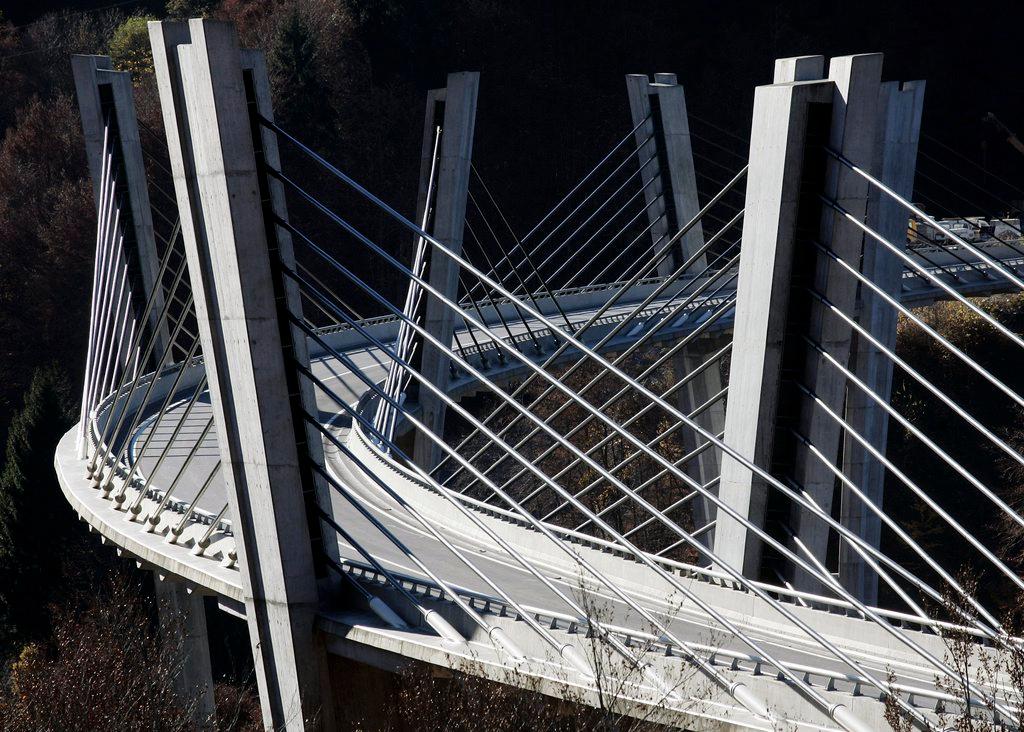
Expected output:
(585, 178)
(732, 687)
(865, 551)
(598, 278)
(653, 368)
(994, 264)
(565, 241)
(567, 650)
(938, 451)
(569, 339)
(636, 310)
(497, 635)
(942, 285)
(98, 258)
(700, 409)
(948, 250)
(140, 330)
(482, 525)
(970, 202)
(658, 476)
(312, 275)
(176, 531)
(154, 518)
(115, 276)
(108, 447)
(494, 305)
(917, 376)
(505, 253)
(412, 299)
(490, 294)
(572, 213)
(108, 229)
(826, 706)
(619, 327)
(113, 312)
(821, 640)
(909, 314)
(490, 264)
(910, 484)
(147, 310)
(136, 423)
(658, 256)
(620, 358)
(667, 407)
(134, 508)
(975, 164)
(582, 247)
(992, 630)
(87, 403)
(374, 602)
(469, 330)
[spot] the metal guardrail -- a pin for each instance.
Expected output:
(837, 681)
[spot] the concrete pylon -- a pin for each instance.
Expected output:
(794, 120)
(454, 111)
(857, 80)
(899, 126)
(183, 613)
(658, 111)
(235, 259)
(106, 104)
(671, 183)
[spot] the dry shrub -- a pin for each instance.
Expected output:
(106, 667)
(109, 666)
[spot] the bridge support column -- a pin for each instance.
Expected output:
(184, 614)
(457, 108)
(210, 93)
(671, 199)
(899, 126)
(789, 169)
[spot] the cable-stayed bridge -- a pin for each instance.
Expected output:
(640, 446)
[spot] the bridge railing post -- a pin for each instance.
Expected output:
(107, 108)
(794, 120)
(898, 129)
(211, 93)
(457, 120)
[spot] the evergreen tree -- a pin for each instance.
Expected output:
(302, 98)
(37, 525)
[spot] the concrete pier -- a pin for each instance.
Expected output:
(184, 613)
